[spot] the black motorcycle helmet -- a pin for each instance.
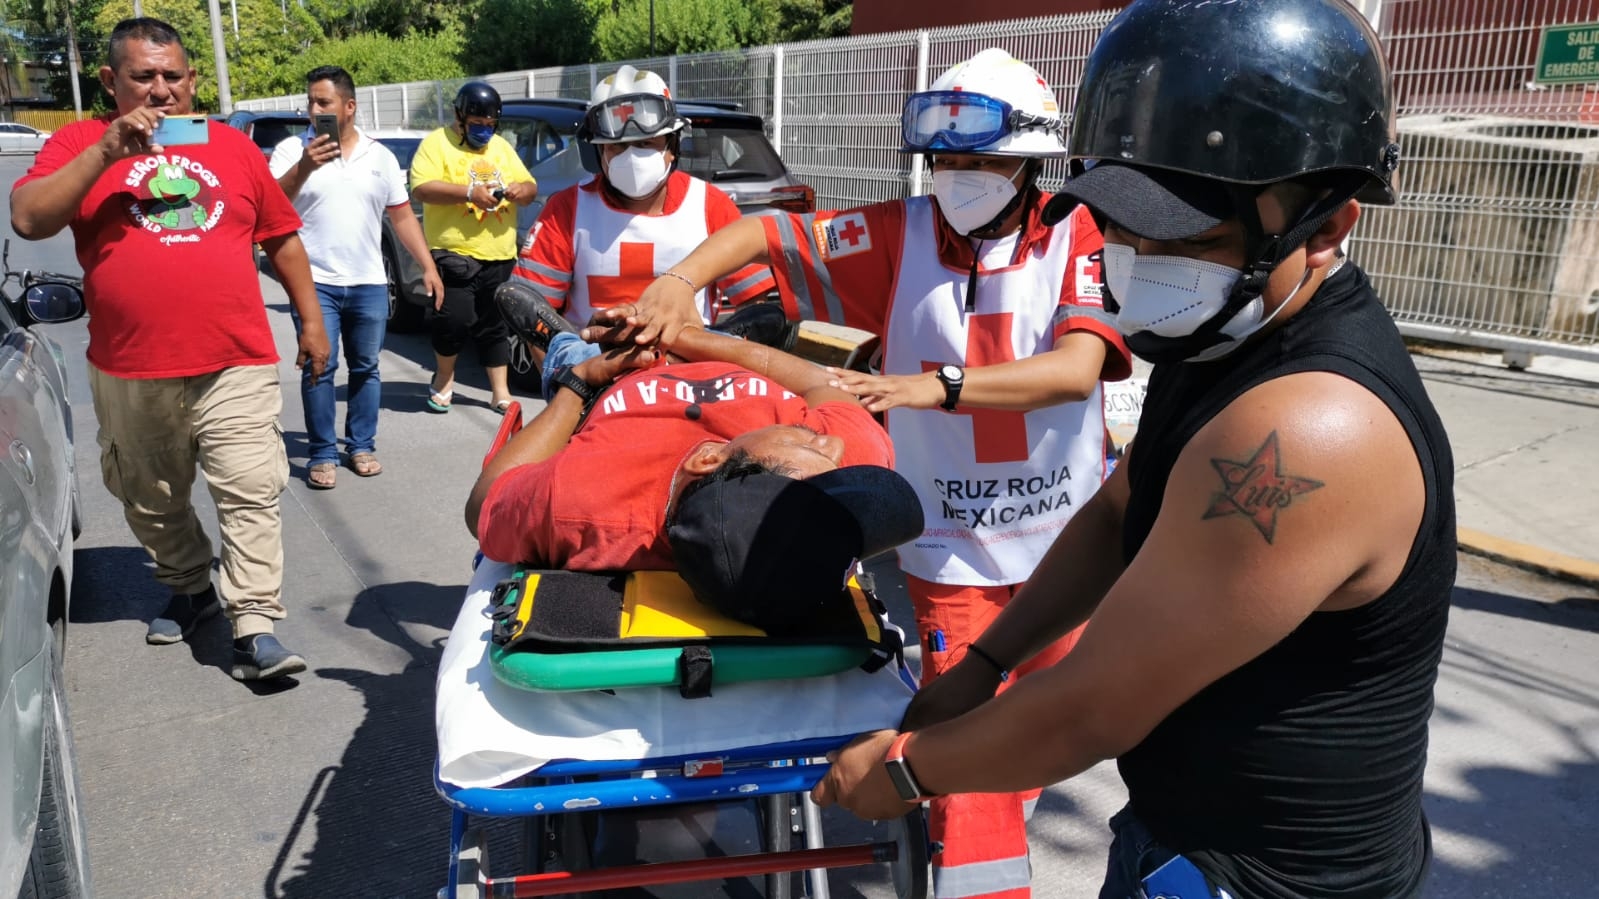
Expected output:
(1186, 112)
(476, 98)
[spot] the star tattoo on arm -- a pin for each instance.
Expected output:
(1257, 488)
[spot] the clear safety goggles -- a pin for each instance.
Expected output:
(959, 121)
(644, 115)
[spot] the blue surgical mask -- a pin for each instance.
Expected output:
(477, 136)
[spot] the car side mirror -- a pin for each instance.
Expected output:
(52, 303)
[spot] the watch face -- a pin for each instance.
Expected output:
(950, 372)
(904, 784)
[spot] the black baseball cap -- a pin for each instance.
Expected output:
(776, 552)
(1159, 204)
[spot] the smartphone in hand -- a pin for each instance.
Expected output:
(177, 130)
(325, 124)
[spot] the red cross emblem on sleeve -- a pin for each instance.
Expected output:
(998, 435)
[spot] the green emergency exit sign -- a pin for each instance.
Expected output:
(1568, 54)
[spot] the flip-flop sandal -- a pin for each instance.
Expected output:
(439, 402)
(322, 476)
(366, 465)
(502, 406)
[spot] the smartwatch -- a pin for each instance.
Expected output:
(899, 771)
(565, 377)
(952, 377)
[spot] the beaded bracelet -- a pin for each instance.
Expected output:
(974, 649)
(680, 277)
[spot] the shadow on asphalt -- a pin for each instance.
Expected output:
(371, 825)
(1575, 612)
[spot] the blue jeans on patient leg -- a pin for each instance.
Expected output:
(565, 349)
(358, 315)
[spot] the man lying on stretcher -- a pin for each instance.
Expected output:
(736, 467)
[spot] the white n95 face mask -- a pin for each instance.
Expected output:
(637, 172)
(1163, 300)
(970, 199)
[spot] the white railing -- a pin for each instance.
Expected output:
(1495, 241)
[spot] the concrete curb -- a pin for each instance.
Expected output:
(1531, 558)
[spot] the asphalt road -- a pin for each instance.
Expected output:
(196, 785)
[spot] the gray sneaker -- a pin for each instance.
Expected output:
(262, 657)
(184, 613)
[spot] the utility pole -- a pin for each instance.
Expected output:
(220, 48)
(138, 9)
(652, 27)
(72, 62)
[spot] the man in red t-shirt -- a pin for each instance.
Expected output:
(181, 359)
(589, 484)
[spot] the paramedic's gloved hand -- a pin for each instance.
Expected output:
(859, 783)
(957, 691)
(665, 308)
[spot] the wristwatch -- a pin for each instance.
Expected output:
(952, 377)
(565, 377)
(899, 771)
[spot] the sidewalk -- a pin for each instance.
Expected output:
(1526, 444)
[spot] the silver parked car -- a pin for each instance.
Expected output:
(42, 846)
(16, 137)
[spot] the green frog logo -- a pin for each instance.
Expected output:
(174, 194)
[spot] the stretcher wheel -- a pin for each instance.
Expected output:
(472, 866)
(910, 871)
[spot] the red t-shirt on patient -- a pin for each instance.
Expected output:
(600, 503)
(166, 244)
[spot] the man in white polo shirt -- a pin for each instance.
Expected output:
(342, 188)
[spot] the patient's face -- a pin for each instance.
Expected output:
(799, 451)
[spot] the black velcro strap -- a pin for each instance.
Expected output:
(694, 672)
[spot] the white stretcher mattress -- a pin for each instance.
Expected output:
(490, 734)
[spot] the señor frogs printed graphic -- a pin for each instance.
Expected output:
(174, 193)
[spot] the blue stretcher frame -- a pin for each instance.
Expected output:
(744, 772)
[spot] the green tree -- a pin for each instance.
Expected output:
(685, 26)
(376, 59)
(530, 34)
(809, 20)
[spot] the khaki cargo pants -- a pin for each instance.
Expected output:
(153, 432)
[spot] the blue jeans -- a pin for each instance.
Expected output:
(565, 349)
(1134, 855)
(360, 315)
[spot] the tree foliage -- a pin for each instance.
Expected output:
(377, 59)
(807, 20)
(531, 34)
(685, 26)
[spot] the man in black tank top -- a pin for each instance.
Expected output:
(1269, 573)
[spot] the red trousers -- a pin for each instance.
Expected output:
(979, 839)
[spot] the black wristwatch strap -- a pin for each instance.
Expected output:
(565, 377)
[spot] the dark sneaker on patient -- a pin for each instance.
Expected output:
(761, 322)
(262, 657)
(528, 314)
(184, 613)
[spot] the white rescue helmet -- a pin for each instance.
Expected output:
(631, 105)
(992, 104)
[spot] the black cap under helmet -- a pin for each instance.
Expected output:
(1247, 92)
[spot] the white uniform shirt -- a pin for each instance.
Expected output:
(342, 205)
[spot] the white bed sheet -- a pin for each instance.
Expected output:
(490, 734)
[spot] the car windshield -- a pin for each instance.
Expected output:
(403, 149)
(269, 133)
(729, 154)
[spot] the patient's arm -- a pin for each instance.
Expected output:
(795, 374)
(550, 430)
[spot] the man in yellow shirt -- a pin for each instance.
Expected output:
(468, 178)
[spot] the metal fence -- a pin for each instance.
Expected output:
(1495, 242)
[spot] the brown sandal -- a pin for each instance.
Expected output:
(366, 465)
(322, 476)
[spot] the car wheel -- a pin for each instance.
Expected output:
(58, 865)
(405, 317)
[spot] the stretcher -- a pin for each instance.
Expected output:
(577, 767)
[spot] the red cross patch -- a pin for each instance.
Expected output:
(842, 235)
